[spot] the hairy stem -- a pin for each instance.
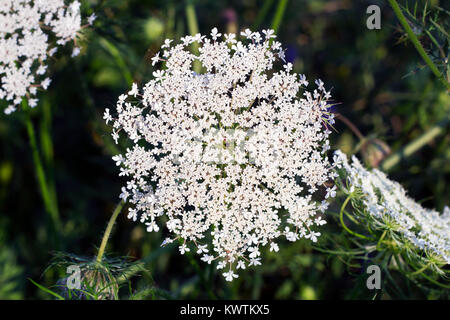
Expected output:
(108, 230)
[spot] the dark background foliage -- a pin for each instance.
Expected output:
(379, 82)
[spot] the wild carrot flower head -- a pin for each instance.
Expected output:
(388, 208)
(27, 30)
(231, 156)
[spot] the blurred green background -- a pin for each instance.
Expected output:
(377, 78)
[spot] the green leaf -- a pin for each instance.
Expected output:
(46, 290)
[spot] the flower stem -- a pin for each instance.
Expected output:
(50, 206)
(434, 281)
(352, 127)
(420, 270)
(47, 149)
(108, 230)
(398, 12)
(115, 53)
(200, 273)
(191, 18)
(380, 241)
(262, 14)
(341, 218)
(282, 4)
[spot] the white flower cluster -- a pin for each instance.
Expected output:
(391, 209)
(235, 153)
(27, 28)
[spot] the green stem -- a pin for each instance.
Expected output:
(47, 149)
(345, 252)
(262, 14)
(434, 281)
(352, 219)
(97, 124)
(50, 206)
(351, 126)
(200, 273)
(191, 18)
(282, 4)
(391, 279)
(398, 12)
(381, 240)
(341, 218)
(415, 145)
(108, 230)
(115, 53)
(420, 270)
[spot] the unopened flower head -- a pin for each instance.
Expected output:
(390, 209)
(234, 154)
(26, 30)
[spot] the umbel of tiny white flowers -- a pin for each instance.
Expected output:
(387, 207)
(25, 46)
(233, 155)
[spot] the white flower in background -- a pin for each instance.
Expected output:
(230, 275)
(27, 30)
(91, 19)
(389, 208)
(231, 156)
